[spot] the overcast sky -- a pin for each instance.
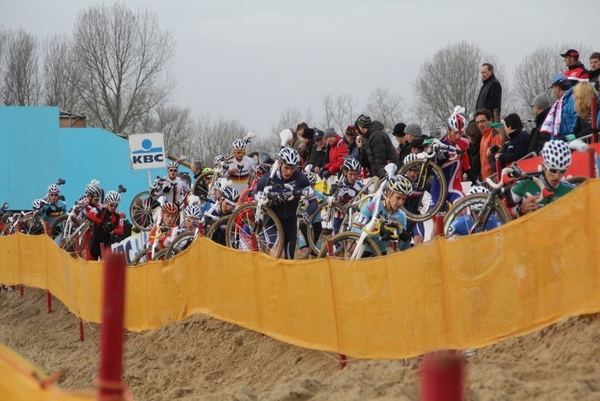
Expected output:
(251, 60)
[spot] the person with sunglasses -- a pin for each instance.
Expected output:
(172, 187)
(239, 167)
(107, 222)
(55, 207)
(556, 159)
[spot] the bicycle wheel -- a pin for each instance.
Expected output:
(33, 225)
(141, 211)
(370, 186)
(489, 207)
(200, 187)
(303, 250)
(143, 256)
(344, 243)
(268, 232)
(7, 230)
(216, 230)
(57, 226)
(160, 255)
(179, 244)
(429, 174)
(75, 242)
(327, 215)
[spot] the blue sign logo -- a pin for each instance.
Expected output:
(144, 155)
(147, 148)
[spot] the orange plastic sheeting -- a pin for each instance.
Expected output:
(19, 380)
(446, 294)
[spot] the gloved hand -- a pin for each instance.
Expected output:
(107, 227)
(441, 158)
(325, 174)
(385, 234)
(305, 219)
(404, 235)
(494, 149)
(282, 197)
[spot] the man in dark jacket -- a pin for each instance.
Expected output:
(309, 154)
(541, 107)
(518, 141)
(377, 149)
(490, 94)
(403, 143)
(576, 71)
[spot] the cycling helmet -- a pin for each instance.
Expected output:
(289, 156)
(93, 191)
(192, 211)
(230, 194)
(170, 208)
(556, 155)
(351, 164)
(113, 197)
(400, 185)
(54, 189)
(222, 183)
(239, 144)
(456, 121)
(37, 203)
(207, 169)
(478, 189)
(218, 159)
(173, 165)
(410, 157)
(263, 169)
(312, 177)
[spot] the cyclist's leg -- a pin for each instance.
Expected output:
(290, 234)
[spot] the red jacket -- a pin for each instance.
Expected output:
(337, 151)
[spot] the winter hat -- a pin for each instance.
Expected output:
(319, 135)
(362, 121)
(399, 129)
(558, 80)
(330, 132)
(308, 133)
(351, 131)
(413, 129)
(541, 101)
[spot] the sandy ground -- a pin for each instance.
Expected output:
(204, 359)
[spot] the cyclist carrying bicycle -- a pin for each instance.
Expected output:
(397, 191)
(225, 206)
(316, 225)
(239, 168)
(162, 231)
(415, 199)
(55, 207)
(464, 224)
(172, 187)
(348, 188)
(556, 159)
(191, 217)
(107, 222)
(286, 182)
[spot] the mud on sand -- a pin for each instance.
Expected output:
(205, 359)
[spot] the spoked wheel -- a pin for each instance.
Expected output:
(326, 215)
(58, 226)
(370, 186)
(344, 244)
(73, 244)
(7, 230)
(303, 250)
(268, 232)
(160, 255)
(141, 211)
(217, 229)
(201, 184)
(432, 187)
(179, 244)
(142, 257)
(33, 225)
(485, 212)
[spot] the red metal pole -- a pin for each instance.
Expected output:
(253, 242)
(49, 301)
(594, 113)
(591, 163)
(343, 361)
(442, 377)
(81, 337)
(21, 290)
(111, 343)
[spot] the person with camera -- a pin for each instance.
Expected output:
(107, 222)
(517, 145)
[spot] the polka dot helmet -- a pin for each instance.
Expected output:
(556, 155)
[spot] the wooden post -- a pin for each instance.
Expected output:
(442, 377)
(49, 301)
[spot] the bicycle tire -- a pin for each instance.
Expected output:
(175, 247)
(315, 244)
(462, 206)
(431, 171)
(577, 180)
(160, 255)
(141, 211)
(369, 187)
(200, 188)
(215, 225)
(241, 224)
(6, 230)
(141, 257)
(347, 240)
(74, 245)
(57, 226)
(33, 225)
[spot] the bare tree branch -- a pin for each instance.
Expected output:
(21, 78)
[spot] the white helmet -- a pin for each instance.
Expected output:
(289, 156)
(192, 211)
(239, 144)
(456, 121)
(556, 155)
(54, 189)
(113, 197)
(478, 189)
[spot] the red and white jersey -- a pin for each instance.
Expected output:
(178, 188)
(240, 178)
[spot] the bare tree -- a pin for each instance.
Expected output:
(21, 78)
(215, 138)
(176, 125)
(534, 73)
(58, 89)
(385, 107)
(451, 77)
(125, 63)
(339, 111)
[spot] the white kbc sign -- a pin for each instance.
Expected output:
(146, 151)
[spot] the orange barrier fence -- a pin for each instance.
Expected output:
(446, 294)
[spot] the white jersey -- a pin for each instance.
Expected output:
(177, 188)
(239, 180)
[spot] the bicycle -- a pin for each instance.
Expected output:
(184, 240)
(4, 215)
(429, 173)
(29, 223)
(353, 245)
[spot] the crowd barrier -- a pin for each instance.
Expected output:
(446, 294)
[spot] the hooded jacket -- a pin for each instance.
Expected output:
(337, 151)
(378, 150)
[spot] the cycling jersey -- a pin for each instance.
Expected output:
(463, 224)
(453, 170)
(239, 180)
(173, 190)
(52, 211)
(365, 215)
(527, 186)
(106, 224)
(347, 192)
